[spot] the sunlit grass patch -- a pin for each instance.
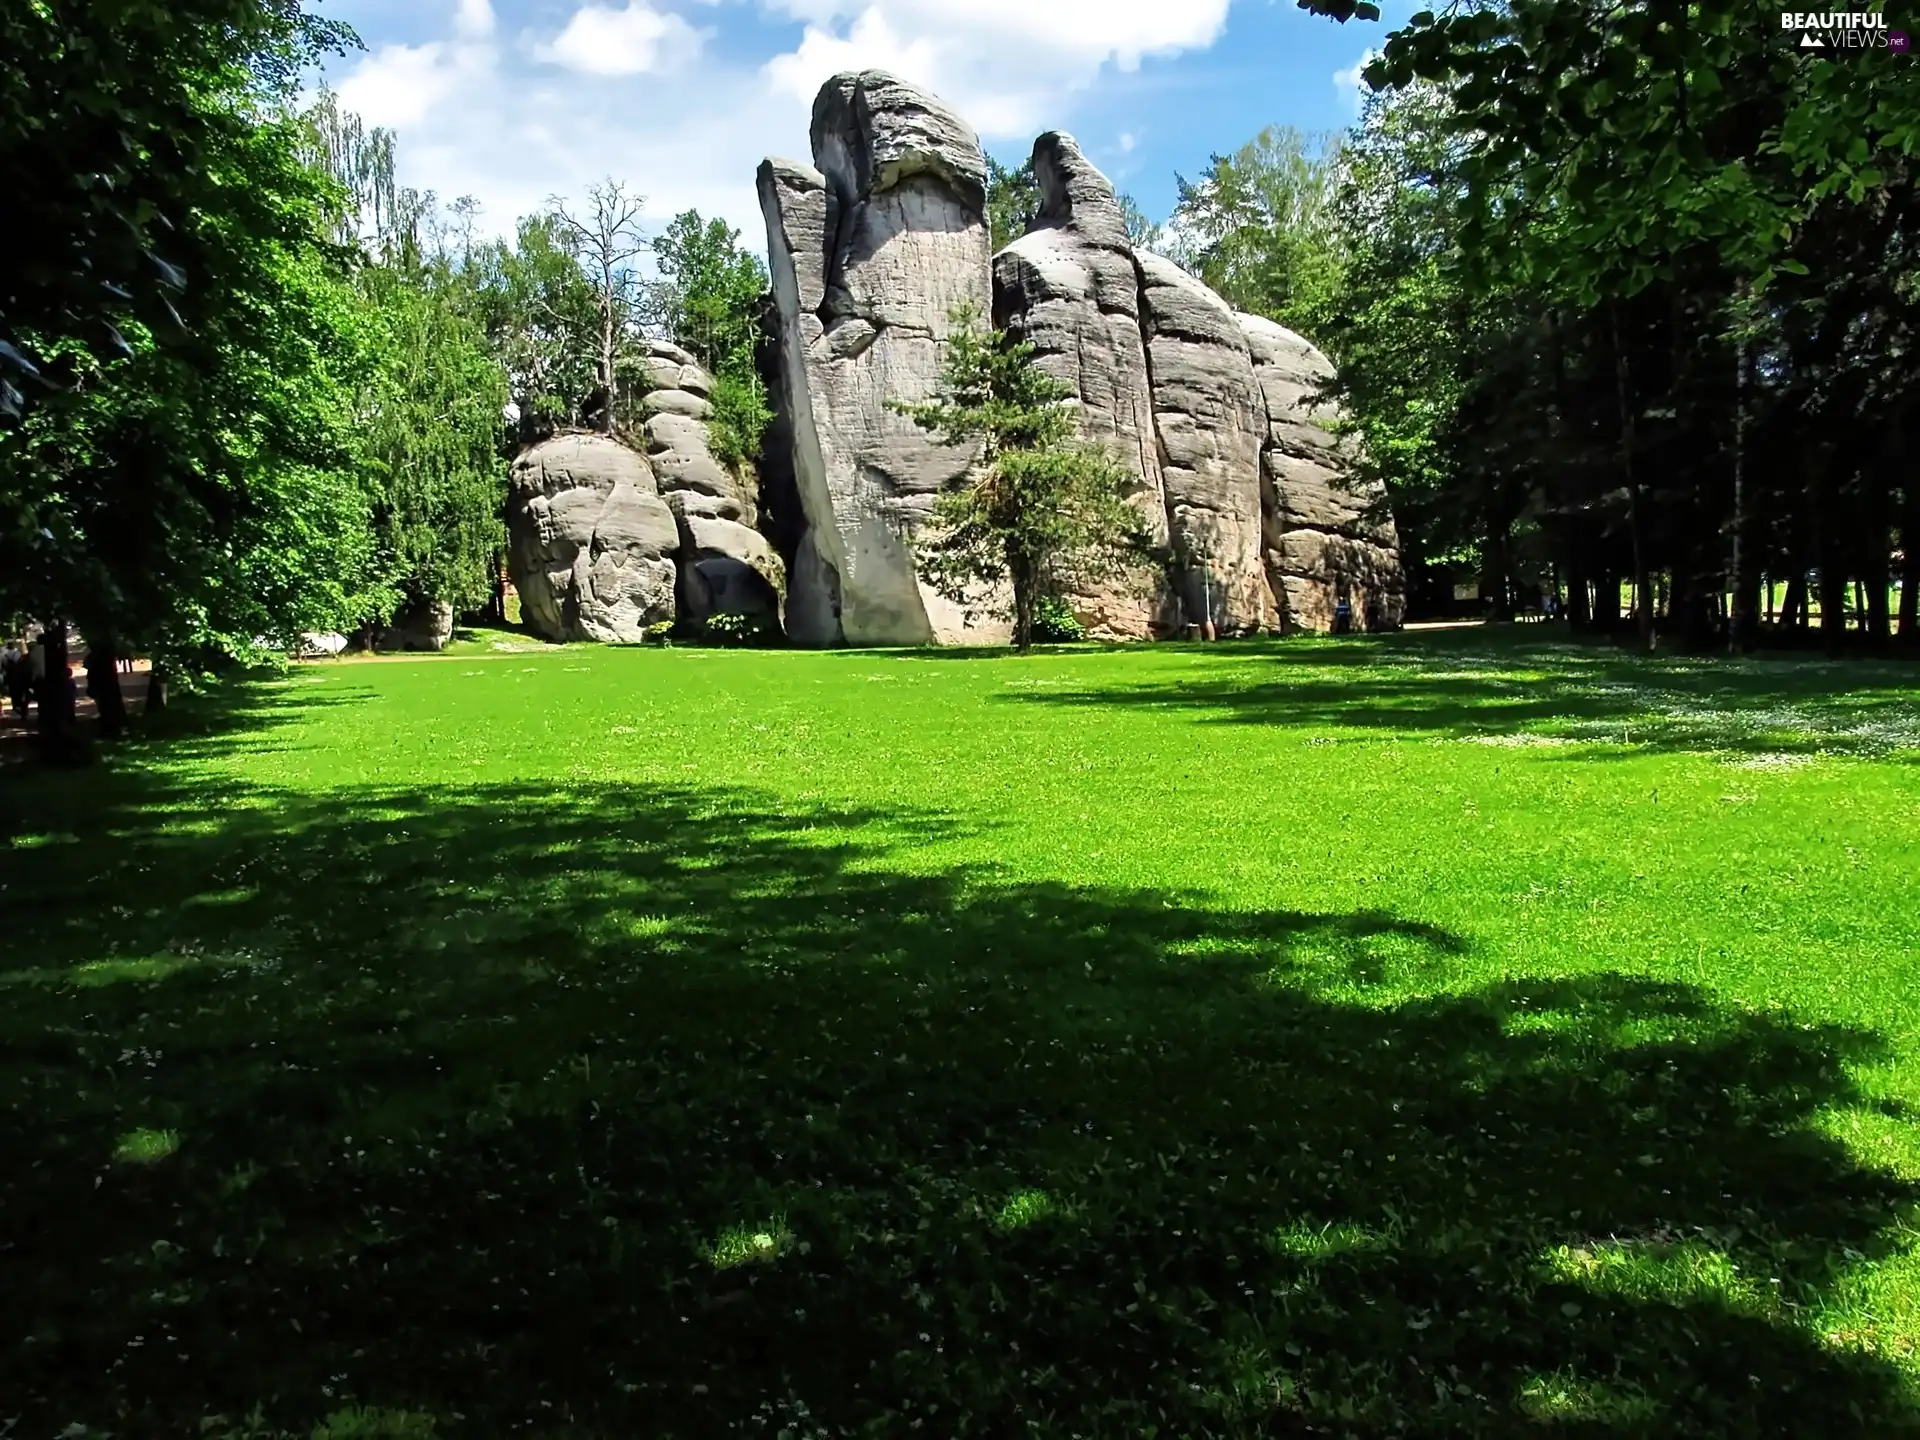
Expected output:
(1303, 1240)
(751, 1244)
(35, 840)
(1677, 1272)
(1024, 1208)
(146, 1147)
(1563, 1398)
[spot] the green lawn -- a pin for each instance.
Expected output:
(1441, 1036)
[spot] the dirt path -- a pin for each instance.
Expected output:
(17, 732)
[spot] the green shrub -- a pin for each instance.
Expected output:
(730, 628)
(1054, 622)
(738, 420)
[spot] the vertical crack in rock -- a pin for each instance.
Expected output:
(872, 248)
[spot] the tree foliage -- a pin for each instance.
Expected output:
(1013, 199)
(1040, 509)
(1256, 225)
(181, 480)
(711, 294)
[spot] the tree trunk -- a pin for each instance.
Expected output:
(1744, 585)
(1496, 579)
(1793, 605)
(1606, 602)
(1910, 565)
(1623, 396)
(1826, 552)
(1579, 607)
(1833, 609)
(103, 688)
(59, 736)
(1023, 602)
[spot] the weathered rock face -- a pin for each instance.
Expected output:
(725, 565)
(590, 543)
(1211, 413)
(1323, 536)
(1206, 412)
(424, 625)
(1071, 288)
(870, 254)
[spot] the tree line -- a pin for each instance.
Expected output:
(1622, 300)
(1620, 295)
(251, 387)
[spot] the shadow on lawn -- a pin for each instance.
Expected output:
(1480, 684)
(467, 1083)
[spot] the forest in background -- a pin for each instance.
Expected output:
(1620, 295)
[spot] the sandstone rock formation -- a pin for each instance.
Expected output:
(870, 253)
(1204, 410)
(590, 543)
(1211, 410)
(424, 625)
(1322, 536)
(1071, 288)
(726, 565)
(1235, 472)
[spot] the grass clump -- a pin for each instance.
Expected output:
(146, 1147)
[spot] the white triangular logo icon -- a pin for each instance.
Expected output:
(1811, 41)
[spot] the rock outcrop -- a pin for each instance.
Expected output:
(591, 545)
(726, 565)
(871, 250)
(423, 625)
(1212, 412)
(1214, 416)
(1323, 536)
(1205, 410)
(1070, 287)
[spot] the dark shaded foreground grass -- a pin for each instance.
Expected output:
(653, 1111)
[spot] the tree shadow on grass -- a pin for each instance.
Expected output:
(657, 1111)
(1475, 685)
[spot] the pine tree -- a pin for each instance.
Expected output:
(1040, 510)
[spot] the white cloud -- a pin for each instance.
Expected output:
(634, 40)
(871, 42)
(400, 85)
(1004, 64)
(511, 116)
(1128, 139)
(474, 20)
(1349, 83)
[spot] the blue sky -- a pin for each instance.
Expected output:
(515, 100)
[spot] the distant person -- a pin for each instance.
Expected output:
(37, 669)
(1343, 616)
(18, 673)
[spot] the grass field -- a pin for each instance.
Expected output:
(1440, 1035)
